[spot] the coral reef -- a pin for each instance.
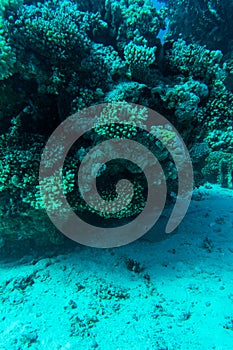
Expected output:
(60, 56)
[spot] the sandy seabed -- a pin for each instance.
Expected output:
(174, 294)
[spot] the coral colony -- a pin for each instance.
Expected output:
(60, 56)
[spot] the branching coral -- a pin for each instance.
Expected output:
(184, 99)
(55, 30)
(196, 61)
(139, 58)
(134, 20)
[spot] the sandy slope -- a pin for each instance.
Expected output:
(89, 299)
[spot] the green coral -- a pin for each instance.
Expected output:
(126, 128)
(139, 58)
(19, 167)
(7, 54)
(134, 20)
(55, 30)
(219, 111)
(184, 98)
(196, 61)
(130, 91)
(7, 58)
(218, 167)
(85, 97)
(102, 66)
(56, 36)
(135, 206)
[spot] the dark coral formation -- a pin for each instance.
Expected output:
(206, 22)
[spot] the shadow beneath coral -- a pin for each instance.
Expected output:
(28, 250)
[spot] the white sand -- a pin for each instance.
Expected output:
(88, 299)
